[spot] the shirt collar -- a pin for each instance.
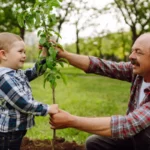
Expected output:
(4, 70)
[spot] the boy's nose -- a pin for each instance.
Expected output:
(24, 55)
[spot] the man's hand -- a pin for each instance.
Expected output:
(94, 125)
(61, 120)
(57, 46)
(79, 61)
(44, 52)
(53, 109)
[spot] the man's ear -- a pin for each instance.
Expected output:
(2, 55)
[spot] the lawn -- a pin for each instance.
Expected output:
(84, 95)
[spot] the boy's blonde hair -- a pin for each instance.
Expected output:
(7, 39)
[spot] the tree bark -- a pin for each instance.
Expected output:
(77, 42)
(22, 32)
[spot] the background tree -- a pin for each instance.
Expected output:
(8, 21)
(136, 14)
(82, 20)
(62, 14)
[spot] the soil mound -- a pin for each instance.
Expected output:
(60, 144)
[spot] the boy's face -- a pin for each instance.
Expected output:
(15, 56)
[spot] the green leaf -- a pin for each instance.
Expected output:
(46, 74)
(53, 18)
(44, 83)
(52, 53)
(36, 4)
(63, 77)
(64, 60)
(42, 40)
(30, 20)
(53, 84)
(20, 19)
(38, 68)
(61, 64)
(59, 46)
(38, 20)
(39, 32)
(54, 3)
(58, 77)
(57, 34)
(50, 62)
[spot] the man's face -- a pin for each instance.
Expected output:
(140, 56)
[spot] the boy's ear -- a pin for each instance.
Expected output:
(2, 54)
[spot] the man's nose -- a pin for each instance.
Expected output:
(132, 55)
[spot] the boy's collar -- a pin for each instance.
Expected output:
(4, 70)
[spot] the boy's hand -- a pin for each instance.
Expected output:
(44, 52)
(57, 46)
(53, 109)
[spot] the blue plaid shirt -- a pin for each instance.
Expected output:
(17, 105)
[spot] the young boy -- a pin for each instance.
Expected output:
(17, 105)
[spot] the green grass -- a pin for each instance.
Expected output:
(84, 95)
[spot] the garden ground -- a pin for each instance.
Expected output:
(84, 95)
(60, 144)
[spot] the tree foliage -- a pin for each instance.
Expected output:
(8, 20)
(136, 14)
(113, 46)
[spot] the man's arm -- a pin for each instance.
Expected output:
(121, 71)
(79, 61)
(97, 125)
(115, 126)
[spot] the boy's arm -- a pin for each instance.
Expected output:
(13, 92)
(34, 72)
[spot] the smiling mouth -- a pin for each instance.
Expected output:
(134, 66)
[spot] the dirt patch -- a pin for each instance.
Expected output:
(60, 144)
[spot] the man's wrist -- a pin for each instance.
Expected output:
(62, 54)
(72, 121)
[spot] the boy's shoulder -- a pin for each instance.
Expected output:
(4, 71)
(11, 72)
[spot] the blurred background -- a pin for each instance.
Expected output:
(105, 29)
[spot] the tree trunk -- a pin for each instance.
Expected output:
(77, 42)
(22, 32)
(134, 34)
(59, 28)
(100, 47)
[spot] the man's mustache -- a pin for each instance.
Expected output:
(134, 62)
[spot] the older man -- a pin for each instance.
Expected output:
(129, 132)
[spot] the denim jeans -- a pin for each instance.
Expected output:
(140, 141)
(11, 140)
